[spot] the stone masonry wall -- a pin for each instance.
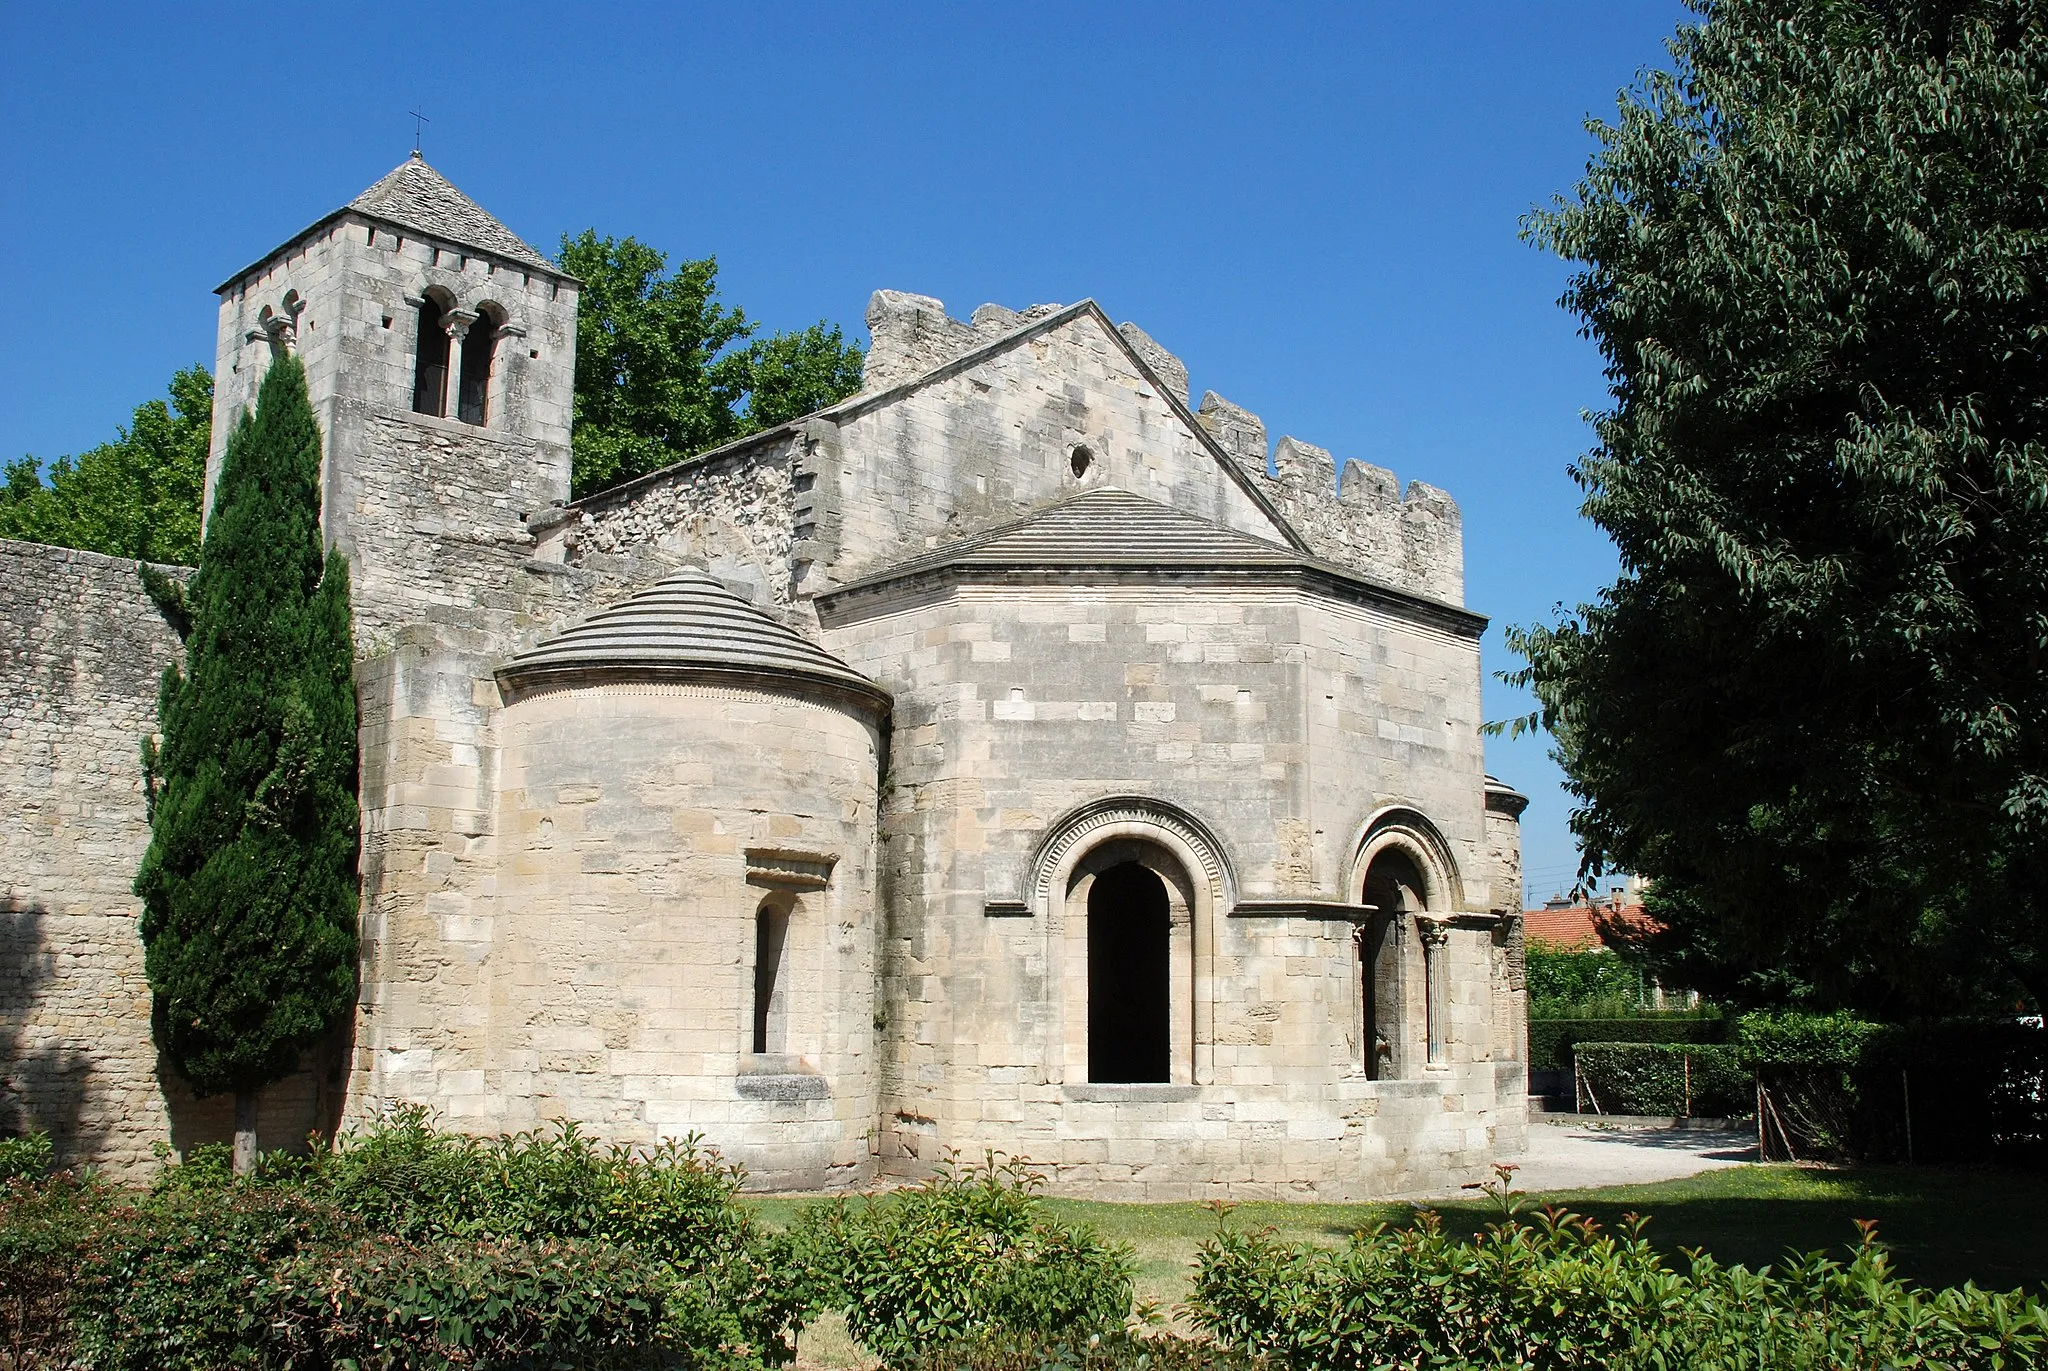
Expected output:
(734, 511)
(1281, 722)
(82, 649)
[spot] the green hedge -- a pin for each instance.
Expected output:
(1562, 1292)
(1652, 1078)
(1551, 1040)
(1950, 1090)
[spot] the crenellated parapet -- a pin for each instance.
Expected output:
(909, 335)
(1413, 540)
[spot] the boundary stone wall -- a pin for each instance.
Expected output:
(82, 649)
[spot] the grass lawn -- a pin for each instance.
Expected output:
(1944, 1225)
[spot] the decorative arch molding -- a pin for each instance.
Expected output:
(1406, 829)
(1184, 853)
(1121, 816)
(459, 295)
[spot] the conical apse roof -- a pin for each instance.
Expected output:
(688, 624)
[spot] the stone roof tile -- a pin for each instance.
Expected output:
(1107, 527)
(687, 624)
(415, 196)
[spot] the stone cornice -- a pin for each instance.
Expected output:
(518, 683)
(887, 591)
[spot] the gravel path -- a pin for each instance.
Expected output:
(1570, 1154)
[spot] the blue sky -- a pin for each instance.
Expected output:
(1314, 206)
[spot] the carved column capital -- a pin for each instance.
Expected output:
(1435, 933)
(457, 322)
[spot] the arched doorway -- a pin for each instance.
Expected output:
(1397, 891)
(1130, 1001)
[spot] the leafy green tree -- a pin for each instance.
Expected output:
(1813, 707)
(249, 886)
(137, 496)
(664, 370)
(794, 374)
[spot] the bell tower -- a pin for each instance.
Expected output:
(440, 355)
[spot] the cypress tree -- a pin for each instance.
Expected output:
(249, 887)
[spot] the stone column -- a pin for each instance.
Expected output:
(1436, 990)
(457, 322)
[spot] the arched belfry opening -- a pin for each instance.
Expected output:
(1130, 1001)
(430, 365)
(479, 351)
(1397, 891)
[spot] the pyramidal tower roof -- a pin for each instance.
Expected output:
(415, 196)
(687, 625)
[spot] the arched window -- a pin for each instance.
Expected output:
(771, 975)
(1129, 977)
(430, 370)
(1395, 887)
(479, 347)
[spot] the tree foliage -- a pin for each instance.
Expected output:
(137, 496)
(1813, 705)
(249, 884)
(664, 370)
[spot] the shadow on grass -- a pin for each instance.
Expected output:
(1943, 1225)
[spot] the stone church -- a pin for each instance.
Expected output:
(1012, 755)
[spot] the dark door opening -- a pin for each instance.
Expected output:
(1129, 1005)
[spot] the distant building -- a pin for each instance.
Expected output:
(1564, 922)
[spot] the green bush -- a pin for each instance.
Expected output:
(191, 1278)
(1651, 1078)
(1817, 1040)
(409, 1247)
(262, 1277)
(1551, 1040)
(409, 1179)
(968, 1255)
(393, 1307)
(1947, 1090)
(1123, 1350)
(28, 1157)
(1568, 982)
(1558, 1291)
(674, 1203)
(44, 1225)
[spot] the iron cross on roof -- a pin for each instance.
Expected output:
(419, 123)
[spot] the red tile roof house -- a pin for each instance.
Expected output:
(1563, 924)
(1574, 926)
